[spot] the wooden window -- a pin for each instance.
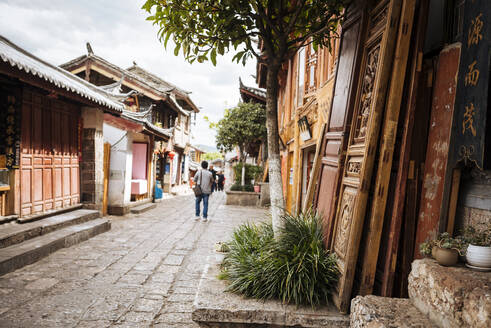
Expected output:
(300, 76)
(311, 70)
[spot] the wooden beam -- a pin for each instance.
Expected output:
(387, 142)
(314, 174)
(454, 197)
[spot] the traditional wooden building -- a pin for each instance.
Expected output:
(405, 151)
(51, 155)
(304, 102)
(142, 156)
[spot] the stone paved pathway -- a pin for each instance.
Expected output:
(144, 272)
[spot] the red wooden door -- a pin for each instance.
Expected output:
(337, 131)
(49, 173)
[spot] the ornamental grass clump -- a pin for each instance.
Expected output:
(294, 268)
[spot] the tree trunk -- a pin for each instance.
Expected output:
(275, 181)
(243, 170)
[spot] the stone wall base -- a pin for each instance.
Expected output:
(242, 198)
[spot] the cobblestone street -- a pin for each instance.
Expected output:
(144, 272)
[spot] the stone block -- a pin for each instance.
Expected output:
(214, 307)
(242, 198)
(381, 312)
(451, 296)
(265, 198)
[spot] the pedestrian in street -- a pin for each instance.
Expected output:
(221, 180)
(214, 173)
(204, 179)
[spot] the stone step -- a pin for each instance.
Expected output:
(384, 312)
(32, 250)
(18, 233)
(451, 296)
(58, 211)
(143, 208)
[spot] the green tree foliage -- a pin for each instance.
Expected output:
(252, 172)
(211, 156)
(203, 29)
(243, 126)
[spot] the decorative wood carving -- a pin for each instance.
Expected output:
(343, 229)
(367, 89)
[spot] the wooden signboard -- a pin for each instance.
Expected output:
(376, 66)
(469, 123)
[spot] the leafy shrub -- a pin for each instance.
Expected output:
(294, 268)
(239, 187)
(251, 172)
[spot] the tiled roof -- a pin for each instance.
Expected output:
(122, 71)
(155, 81)
(25, 61)
(145, 118)
(162, 85)
(260, 93)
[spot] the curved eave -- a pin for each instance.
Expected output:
(24, 61)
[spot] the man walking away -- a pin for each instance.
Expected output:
(221, 180)
(213, 184)
(204, 179)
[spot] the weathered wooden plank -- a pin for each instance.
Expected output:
(387, 142)
(406, 145)
(314, 174)
(436, 164)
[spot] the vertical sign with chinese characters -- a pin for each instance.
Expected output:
(469, 124)
(10, 130)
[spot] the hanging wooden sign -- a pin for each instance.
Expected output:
(469, 123)
(10, 120)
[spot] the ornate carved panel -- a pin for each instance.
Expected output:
(343, 228)
(367, 91)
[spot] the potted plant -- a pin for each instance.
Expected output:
(444, 249)
(220, 249)
(478, 254)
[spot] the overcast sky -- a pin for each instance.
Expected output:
(57, 30)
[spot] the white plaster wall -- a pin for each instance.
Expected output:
(186, 168)
(120, 166)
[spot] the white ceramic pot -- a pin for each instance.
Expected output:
(478, 256)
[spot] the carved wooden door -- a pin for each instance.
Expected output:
(362, 145)
(335, 137)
